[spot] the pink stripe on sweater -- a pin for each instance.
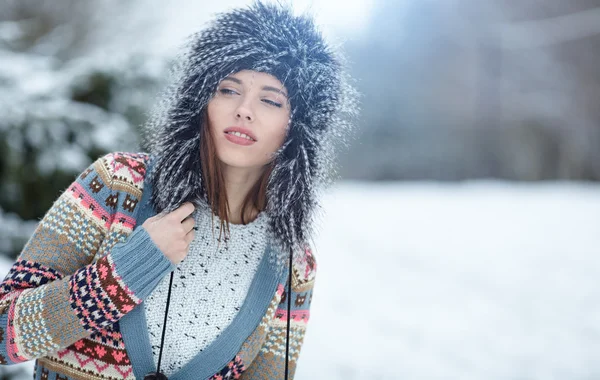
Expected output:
(280, 289)
(11, 346)
(99, 211)
(296, 315)
(126, 220)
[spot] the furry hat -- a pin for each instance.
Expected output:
(267, 38)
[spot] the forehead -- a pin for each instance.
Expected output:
(249, 77)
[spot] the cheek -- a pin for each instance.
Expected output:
(275, 137)
(217, 107)
(210, 113)
(281, 136)
(279, 133)
(214, 116)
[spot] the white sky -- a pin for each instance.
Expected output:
(165, 24)
(348, 16)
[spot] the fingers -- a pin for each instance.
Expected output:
(188, 224)
(183, 211)
(189, 237)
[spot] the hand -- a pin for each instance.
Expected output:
(173, 232)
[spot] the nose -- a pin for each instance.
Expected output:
(244, 111)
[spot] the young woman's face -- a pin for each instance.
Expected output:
(248, 118)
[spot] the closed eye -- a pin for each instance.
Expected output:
(268, 101)
(226, 91)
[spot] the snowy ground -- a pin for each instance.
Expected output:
(482, 280)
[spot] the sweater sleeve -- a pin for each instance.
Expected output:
(59, 291)
(269, 363)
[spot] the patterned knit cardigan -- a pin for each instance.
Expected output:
(70, 300)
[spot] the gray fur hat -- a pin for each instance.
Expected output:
(267, 38)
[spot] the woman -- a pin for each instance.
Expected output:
(244, 138)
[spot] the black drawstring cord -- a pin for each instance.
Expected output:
(158, 374)
(162, 338)
(289, 306)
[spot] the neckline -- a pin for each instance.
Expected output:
(259, 220)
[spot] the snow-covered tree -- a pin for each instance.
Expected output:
(63, 104)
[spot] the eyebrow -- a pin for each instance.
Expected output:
(265, 88)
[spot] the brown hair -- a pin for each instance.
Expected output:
(214, 182)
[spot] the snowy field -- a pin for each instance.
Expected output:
(483, 280)
(477, 281)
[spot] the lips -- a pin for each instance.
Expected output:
(241, 130)
(239, 140)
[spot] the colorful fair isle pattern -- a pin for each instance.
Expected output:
(61, 301)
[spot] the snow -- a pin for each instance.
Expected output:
(480, 280)
(13, 229)
(484, 280)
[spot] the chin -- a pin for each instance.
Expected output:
(242, 156)
(238, 161)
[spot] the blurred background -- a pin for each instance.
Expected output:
(462, 241)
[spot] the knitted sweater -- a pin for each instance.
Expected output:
(214, 277)
(71, 300)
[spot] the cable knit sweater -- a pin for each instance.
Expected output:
(209, 287)
(71, 301)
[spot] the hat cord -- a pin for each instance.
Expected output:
(162, 337)
(159, 375)
(289, 303)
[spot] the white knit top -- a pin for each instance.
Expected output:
(209, 287)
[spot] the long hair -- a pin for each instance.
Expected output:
(214, 182)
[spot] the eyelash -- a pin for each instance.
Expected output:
(226, 91)
(278, 105)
